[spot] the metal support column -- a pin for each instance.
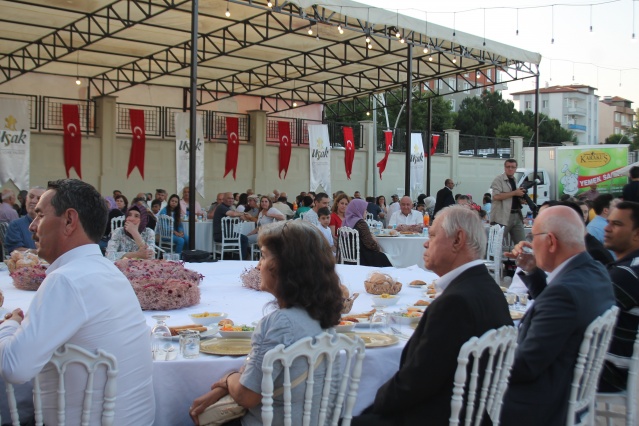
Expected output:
(409, 112)
(193, 125)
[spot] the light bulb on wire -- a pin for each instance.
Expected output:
(228, 12)
(310, 31)
(269, 4)
(339, 28)
(78, 81)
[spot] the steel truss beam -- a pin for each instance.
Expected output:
(85, 31)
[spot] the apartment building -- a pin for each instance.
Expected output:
(575, 107)
(616, 117)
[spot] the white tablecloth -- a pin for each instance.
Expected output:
(178, 382)
(404, 251)
(204, 233)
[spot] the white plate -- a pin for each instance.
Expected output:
(399, 319)
(345, 328)
(210, 331)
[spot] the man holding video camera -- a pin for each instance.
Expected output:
(506, 208)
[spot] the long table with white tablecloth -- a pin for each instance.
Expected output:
(403, 250)
(204, 233)
(178, 382)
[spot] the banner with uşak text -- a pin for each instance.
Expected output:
(320, 157)
(182, 143)
(15, 142)
(416, 161)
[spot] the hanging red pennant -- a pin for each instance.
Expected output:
(433, 145)
(350, 150)
(388, 136)
(232, 147)
(284, 130)
(72, 139)
(138, 141)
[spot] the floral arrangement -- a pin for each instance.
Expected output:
(26, 269)
(161, 285)
(251, 278)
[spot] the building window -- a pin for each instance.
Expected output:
(466, 87)
(528, 105)
(544, 104)
(617, 131)
(452, 83)
(617, 116)
(489, 73)
(452, 104)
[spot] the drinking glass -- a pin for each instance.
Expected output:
(380, 319)
(189, 343)
(160, 337)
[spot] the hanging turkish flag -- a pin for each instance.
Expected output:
(284, 130)
(233, 145)
(138, 141)
(433, 145)
(350, 150)
(388, 136)
(72, 139)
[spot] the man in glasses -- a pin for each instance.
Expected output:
(506, 205)
(575, 292)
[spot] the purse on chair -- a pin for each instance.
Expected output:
(227, 409)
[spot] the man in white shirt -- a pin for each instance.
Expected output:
(407, 219)
(321, 200)
(160, 194)
(84, 300)
(184, 203)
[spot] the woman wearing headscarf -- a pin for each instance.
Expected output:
(370, 252)
(134, 240)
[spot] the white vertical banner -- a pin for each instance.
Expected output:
(417, 163)
(15, 142)
(183, 136)
(320, 156)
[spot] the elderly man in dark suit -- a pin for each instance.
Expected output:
(470, 304)
(444, 196)
(576, 291)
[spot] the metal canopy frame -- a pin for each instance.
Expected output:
(256, 51)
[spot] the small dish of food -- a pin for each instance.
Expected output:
(208, 318)
(236, 331)
(385, 299)
(345, 326)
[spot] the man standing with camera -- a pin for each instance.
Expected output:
(506, 208)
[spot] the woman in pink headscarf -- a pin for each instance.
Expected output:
(370, 252)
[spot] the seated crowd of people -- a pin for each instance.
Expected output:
(570, 288)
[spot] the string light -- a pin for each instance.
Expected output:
(426, 49)
(78, 81)
(339, 28)
(228, 12)
(517, 32)
(591, 19)
(269, 4)
(552, 41)
(310, 30)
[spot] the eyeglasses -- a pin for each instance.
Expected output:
(530, 237)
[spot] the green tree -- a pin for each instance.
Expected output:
(505, 130)
(550, 130)
(481, 116)
(616, 139)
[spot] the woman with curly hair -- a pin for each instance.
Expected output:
(309, 300)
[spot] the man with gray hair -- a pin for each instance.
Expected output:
(18, 235)
(577, 290)
(470, 304)
(7, 212)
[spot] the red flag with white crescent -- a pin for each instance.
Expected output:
(232, 146)
(350, 150)
(138, 142)
(433, 145)
(388, 137)
(72, 139)
(284, 130)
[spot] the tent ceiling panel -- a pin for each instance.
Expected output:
(256, 50)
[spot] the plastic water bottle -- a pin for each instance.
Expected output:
(425, 232)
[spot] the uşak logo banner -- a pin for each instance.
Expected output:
(320, 157)
(182, 146)
(15, 142)
(416, 161)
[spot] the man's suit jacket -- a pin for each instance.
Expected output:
(549, 338)
(420, 392)
(444, 199)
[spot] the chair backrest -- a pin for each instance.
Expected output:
(3, 233)
(369, 216)
(348, 245)
(164, 230)
(491, 235)
(498, 252)
(491, 354)
(324, 349)
(581, 405)
(12, 405)
(62, 358)
(231, 229)
(117, 222)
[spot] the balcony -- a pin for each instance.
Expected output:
(577, 127)
(573, 110)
